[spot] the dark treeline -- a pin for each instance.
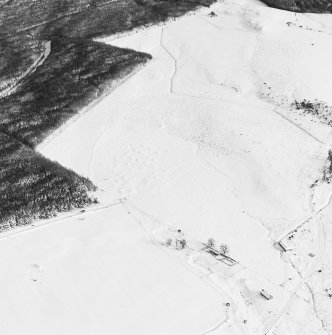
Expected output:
(302, 6)
(71, 76)
(38, 95)
(88, 18)
(33, 187)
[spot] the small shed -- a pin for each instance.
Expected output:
(266, 295)
(283, 246)
(213, 251)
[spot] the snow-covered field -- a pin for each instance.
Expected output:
(201, 139)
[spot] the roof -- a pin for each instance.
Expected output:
(266, 295)
(284, 246)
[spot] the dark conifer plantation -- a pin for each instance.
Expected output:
(49, 69)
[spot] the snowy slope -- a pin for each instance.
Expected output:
(97, 274)
(201, 139)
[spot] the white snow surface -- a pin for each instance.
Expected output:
(201, 139)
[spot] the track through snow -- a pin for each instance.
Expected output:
(320, 239)
(41, 59)
(297, 126)
(317, 262)
(188, 141)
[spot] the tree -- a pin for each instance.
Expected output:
(330, 159)
(211, 243)
(224, 249)
(169, 242)
(181, 244)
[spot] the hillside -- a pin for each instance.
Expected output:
(211, 164)
(50, 71)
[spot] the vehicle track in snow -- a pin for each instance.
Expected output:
(297, 126)
(234, 190)
(41, 59)
(172, 90)
(320, 243)
(162, 44)
(305, 277)
(192, 259)
(320, 257)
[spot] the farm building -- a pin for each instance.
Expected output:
(283, 246)
(266, 295)
(220, 256)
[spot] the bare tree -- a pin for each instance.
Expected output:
(183, 243)
(224, 249)
(211, 243)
